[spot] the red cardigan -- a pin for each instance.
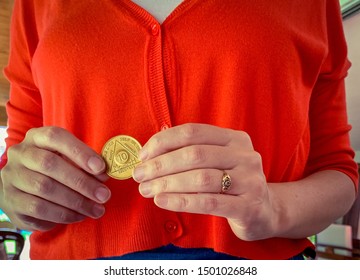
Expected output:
(103, 68)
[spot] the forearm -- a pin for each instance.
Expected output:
(308, 206)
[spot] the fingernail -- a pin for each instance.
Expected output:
(143, 154)
(96, 164)
(102, 194)
(98, 210)
(139, 173)
(145, 189)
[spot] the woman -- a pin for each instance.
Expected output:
(240, 107)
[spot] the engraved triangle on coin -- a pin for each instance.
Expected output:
(121, 154)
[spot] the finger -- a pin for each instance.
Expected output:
(221, 205)
(102, 177)
(59, 140)
(194, 181)
(40, 209)
(55, 167)
(205, 181)
(190, 158)
(32, 224)
(51, 190)
(185, 135)
(250, 219)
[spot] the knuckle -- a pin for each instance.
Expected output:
(62, 216)
(189, 131)
(13, 151)
(203, 179)
(30, 133)
(78, 203)
(51, 133)
(257, 156)
(17, 153)
(183, 203)
(75, 150)
(65, 216)
(156, 141)
(48, 161)
(209, 204)
(255, 161)
(244, 136)
(195, 154)
(37, 208)
(44, 186)
(163, 185)
(158, 166)
(80, 183)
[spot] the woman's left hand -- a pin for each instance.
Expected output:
(184, 167)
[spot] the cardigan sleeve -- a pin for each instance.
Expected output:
(24, 109)
(329, 128)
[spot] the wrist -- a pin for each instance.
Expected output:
(280, 220)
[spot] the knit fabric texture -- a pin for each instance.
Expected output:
(102, 68)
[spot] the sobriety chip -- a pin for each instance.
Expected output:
(121, 155)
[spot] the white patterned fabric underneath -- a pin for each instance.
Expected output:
(159, 9)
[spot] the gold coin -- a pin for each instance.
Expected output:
(121, 155)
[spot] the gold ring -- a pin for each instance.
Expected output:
(225, 183)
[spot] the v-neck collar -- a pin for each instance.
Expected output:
(148, 19)
(160, 9)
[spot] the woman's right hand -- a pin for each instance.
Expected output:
(52, 178)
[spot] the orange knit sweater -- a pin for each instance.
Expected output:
(102, 68)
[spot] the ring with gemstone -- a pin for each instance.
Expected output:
(225, 182)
